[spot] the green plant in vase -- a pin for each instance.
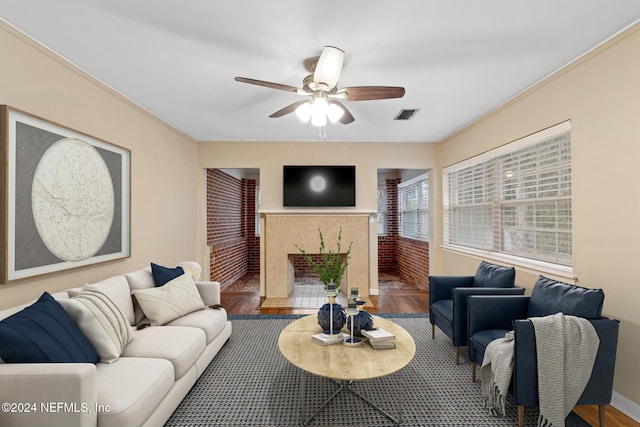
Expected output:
(331, 266)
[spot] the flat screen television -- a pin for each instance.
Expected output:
(319, 186)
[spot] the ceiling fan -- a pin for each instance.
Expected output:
(323, 97)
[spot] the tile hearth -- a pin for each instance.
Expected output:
(307, 293)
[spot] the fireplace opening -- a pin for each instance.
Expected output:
(301, 273)
(306, 288)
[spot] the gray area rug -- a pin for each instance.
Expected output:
(249, 383)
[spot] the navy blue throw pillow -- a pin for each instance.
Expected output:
(162, 275)
(494, 276)
(550, 297)
(44, 332)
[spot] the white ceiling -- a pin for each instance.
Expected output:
(457, 59)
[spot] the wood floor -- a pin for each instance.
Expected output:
(243, 297)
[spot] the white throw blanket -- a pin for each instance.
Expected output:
(566, 350)
(495, 374)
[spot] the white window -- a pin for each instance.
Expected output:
(514, 200)
(382, 210)
(413, 203)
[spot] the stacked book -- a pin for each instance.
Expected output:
(380, 339)
(325, 339)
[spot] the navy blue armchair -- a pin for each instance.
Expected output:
(448, 298)
(490, 317)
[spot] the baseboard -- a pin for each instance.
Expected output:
(374, 291)
(629, 407)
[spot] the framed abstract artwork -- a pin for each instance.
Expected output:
(66, 197)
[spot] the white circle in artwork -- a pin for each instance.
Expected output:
(318, 183)
(72, 199)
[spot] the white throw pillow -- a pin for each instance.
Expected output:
(174, 299)
(101, 321)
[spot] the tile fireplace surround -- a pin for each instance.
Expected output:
(282, 231)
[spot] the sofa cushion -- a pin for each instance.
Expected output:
(140, 279)
(481, 339)
(132, 388)
(44, 332)
(162, 275)
(211, 321)
(117, 289)
(494, 276)
(443, 308)
(550, 297)
(166, 303)
(101, 321)
(179, 345)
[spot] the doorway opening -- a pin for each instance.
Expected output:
(403, 224)
(233, 225)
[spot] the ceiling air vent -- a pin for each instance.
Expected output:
(406, 114)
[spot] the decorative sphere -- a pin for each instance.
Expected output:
(324, 317)
(361, 321)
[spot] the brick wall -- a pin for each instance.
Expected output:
(231, 227)
(300, 266)
(228, 261)
(413, 261)
(388, 245)
(249, 225)
(224, 202)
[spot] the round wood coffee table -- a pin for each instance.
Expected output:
(345, 364)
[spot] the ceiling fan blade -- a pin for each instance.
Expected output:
(271, 85)
(369, 93)
(310, 64)
(347, 118)
(288, 109)
(328, 68)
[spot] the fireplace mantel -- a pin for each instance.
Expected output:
(282, 230)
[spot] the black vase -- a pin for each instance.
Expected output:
(361, 322)
(324, 318)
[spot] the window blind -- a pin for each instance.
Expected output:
(413, 200)
(514, 200)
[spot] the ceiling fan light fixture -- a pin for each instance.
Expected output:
(327, 72)
(320, 105)
(318, 119)
(305, 111)
(320, 109)
(334, 113)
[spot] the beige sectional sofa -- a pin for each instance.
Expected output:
(141, 387)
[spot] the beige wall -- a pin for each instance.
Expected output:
(601, 97)
(163, 205)
(269, 157)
